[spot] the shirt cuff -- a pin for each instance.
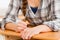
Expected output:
(52, 25)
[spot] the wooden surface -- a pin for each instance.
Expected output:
(9, 33)
(48, 36)
(41, 36)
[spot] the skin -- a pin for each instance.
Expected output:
(33, 3)
(21, 25)
(27, 33)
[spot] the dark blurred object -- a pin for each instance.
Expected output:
(0, 24)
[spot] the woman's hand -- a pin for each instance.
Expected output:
(29, 32)
(21, 25)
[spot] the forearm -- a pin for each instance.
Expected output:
(21, 25)
(43, 28)
(11, 26)
(12, 13)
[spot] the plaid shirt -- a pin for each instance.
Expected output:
(47, 14)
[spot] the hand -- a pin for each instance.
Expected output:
(29, 32)
(16, 27)
(21, 26)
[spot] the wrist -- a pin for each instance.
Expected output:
(43, 28)
(38, 29)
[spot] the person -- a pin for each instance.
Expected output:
(43, 15)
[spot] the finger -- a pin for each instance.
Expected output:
(21, 25)
(33, 33)
(25, 33)
(22, 22)
(20, 28)
(30, 36)
(22, 34)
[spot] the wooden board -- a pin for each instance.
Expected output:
(45, 36)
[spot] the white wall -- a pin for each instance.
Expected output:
(4, 3)
(3, 6)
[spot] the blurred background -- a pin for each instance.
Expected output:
(3, 6)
